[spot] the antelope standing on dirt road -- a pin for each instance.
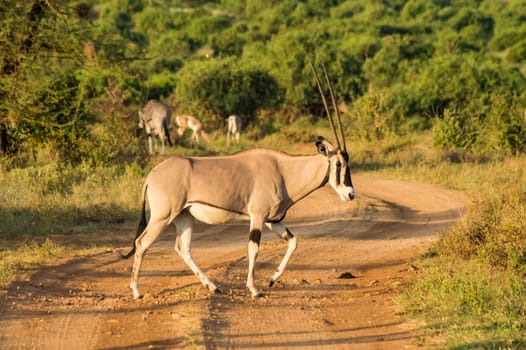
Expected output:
(234, 128)
(258, 184)
(155, 118)
(190, 122)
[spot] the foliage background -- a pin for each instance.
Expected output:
(74, 73)
(433, 90)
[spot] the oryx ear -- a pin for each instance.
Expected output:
(320, 145)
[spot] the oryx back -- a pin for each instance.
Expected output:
(232, 187)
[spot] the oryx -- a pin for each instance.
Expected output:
(190, 122)
(155, 118)
(258, 184)
(234, 128)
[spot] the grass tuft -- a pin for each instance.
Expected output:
(467, 304)
(27, 255)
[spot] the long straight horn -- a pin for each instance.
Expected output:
(325, 103)
(335, 105)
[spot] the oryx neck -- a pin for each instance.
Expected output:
(305, 174)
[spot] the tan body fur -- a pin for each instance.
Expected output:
(259, 185)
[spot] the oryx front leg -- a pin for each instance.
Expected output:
(184, 225)
(285, 234)
(256, 225)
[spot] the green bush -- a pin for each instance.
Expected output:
(376, 115)
(455, 131)
(505, 124)
(220, 87)
(493, 231)
(423, 57)
(517, 52)
(203, 29)
(508, 38)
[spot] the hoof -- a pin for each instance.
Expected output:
(136, 294)
(217, 291)
(271, 283)
(258, 295)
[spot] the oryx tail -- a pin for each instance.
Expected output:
(142, 223)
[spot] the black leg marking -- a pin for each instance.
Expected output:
(288, 235)
(255, 236)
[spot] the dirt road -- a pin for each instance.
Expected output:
(85, 303)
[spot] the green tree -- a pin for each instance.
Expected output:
(42, 47)
(55, 70)
(216, 88)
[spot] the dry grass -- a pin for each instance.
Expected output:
(471, 294)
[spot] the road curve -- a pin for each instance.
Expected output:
(85, 303)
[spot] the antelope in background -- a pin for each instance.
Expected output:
(234, 128)
(258, 185)
(155, 118)
(190, 122)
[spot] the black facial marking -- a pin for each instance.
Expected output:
(255, 236)
(347, 177)
(338, 171)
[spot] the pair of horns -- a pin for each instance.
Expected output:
(334, 104)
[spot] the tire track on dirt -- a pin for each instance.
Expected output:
(311, 307)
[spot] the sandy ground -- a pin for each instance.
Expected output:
(85, 303)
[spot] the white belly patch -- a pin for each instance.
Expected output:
(213, 215)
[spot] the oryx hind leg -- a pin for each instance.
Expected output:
(184, 225)
(282, 231)
(142, 243)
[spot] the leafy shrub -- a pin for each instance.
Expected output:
(493, 231)
(390, 64)
(454, 131)
(505, 124)
(508, 38)
(203, 28)
(517, 52)
(220, 87)
(374, 117)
